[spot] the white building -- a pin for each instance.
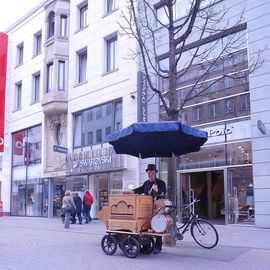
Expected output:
(70, 82)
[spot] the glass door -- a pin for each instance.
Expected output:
(102, 190)
(240, 195)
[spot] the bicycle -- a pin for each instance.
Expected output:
(202, 231)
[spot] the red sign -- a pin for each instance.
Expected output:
(3, 68)
(18, 143)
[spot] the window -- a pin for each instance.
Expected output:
(61, 75)
(245, 103)
(111, 5)
(89, 138)
(63, 25)
(98, 113)
(82, 65)
(112, 56)
(90, 129)
(77, 131)
(108, 131)
(37, 43)
(36, 88)
(51, 23)
(18, 96)
(83, 16)
(20, 54)
(197, 113)
(180, 9)
(213, 109)
(49, 77)
(118, 116)
(229, 105)
(98, 135)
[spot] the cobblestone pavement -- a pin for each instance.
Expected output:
(40, 243)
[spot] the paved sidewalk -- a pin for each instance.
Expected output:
(28, 243)
(229, 235)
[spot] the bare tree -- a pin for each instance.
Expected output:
(185, 48)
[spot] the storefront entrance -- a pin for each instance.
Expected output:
(226, 195)
(208, 187)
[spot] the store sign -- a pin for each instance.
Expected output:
(3, 66)
(228, 132)
(60, 149)
(98, 160)
(219, 132)
(142, 97)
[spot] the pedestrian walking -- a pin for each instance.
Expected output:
(87, 203)
(78, 212)
(68, 207)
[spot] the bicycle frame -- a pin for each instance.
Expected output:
(191, 218)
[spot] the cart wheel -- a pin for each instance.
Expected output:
(148, 248)
(109, 244)
(130, 247)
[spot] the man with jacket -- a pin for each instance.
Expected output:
(156, 188)
(87, 203)
(78, 203)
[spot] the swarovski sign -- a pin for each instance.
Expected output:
(104, 159)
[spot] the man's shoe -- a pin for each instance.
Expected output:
(157, 251)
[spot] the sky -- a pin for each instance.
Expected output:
(13, 10)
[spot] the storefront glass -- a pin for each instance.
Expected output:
(240, 195)
(29, 190)
(60, 185)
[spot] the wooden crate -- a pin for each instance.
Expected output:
(130, 206)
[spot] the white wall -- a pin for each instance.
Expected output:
(258, 32)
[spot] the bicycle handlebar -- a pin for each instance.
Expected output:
(194, 201)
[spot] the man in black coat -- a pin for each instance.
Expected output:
(155, 187)
(78, 203)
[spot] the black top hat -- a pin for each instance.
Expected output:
(151, 167)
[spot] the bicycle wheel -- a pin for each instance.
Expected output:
(204, 233)
(130, 247)
(109, 244)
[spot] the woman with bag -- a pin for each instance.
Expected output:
(68, 207)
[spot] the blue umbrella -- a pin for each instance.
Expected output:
(161, 139)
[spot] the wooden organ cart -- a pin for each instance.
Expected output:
(133, 222)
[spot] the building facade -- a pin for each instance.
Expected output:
(71, 81)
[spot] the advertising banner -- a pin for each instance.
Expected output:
(3, 67)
